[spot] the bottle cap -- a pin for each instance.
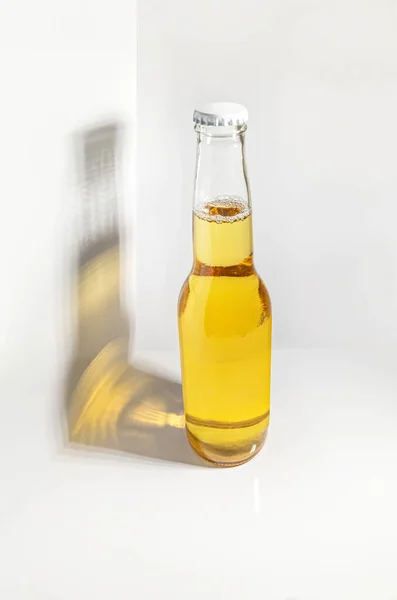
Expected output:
(221, 114)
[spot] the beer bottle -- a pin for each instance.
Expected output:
(224, 309)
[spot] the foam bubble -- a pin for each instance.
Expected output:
(202, 211)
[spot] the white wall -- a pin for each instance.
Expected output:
(320, 82)
(63, 65)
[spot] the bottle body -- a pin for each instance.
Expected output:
(225, 340)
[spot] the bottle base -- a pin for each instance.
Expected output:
(227, 455)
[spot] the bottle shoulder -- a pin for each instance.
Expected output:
(264, 295)
(220, 286)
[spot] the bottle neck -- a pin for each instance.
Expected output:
(220, 165)
(222, 232)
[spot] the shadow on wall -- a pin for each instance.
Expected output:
(110, 403)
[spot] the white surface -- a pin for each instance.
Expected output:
(319, 80)
(312, 517)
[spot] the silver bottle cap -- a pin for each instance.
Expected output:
(220, 114)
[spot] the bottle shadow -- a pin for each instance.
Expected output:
(110, 403)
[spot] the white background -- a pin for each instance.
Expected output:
(64, 66)
(313, 517)
(320, 83)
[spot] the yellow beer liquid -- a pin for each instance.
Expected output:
(225, 338)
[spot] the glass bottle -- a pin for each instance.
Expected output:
(224, 309)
